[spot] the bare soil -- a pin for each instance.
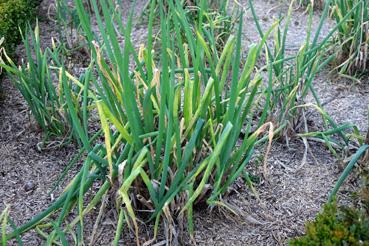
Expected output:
(293, 193)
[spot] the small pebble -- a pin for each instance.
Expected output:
(29, 186)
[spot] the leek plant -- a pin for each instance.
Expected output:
(50, 103)
(176, 132)
(290, 79)
(179, 122)
(67, 26)
(219, 17)
(352, 37)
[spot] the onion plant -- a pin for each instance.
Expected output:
(67, 25)
(352, 37)
(179, 122)
(290, 78)
(219, 17)
(176, 132)
(35, 78)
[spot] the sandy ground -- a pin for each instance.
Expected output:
(293, 194)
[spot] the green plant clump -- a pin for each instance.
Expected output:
(339, 225)
(352, 17)
(179, 122)
(14, 14)
(34, 79)
(175, 133)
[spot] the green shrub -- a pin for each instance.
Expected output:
(339, 225)
(14, 14)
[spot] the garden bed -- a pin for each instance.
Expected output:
(294, 192)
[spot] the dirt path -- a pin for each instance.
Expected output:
(26, 174)
(293, 194)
